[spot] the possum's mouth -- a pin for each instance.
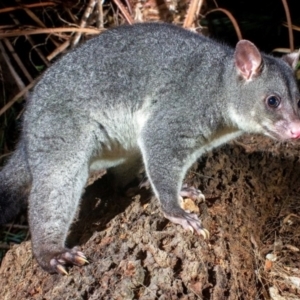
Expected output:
(274, 134)
(283, 134)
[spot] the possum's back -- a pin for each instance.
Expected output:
(125, 64)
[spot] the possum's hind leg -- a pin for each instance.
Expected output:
(59, 165)
(14, 184)
(53, 201)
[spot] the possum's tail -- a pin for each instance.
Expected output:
(14, 185)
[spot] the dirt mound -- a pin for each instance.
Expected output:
(252, 212)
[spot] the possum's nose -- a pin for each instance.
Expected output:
(294, 129)
(295, 133)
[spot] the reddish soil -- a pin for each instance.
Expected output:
(252, 211)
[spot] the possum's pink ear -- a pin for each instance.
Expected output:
(292, 59)
(248, 60)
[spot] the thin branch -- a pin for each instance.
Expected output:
(294, 27)
(13, 72)
(100, 20)
(18, 96)
(15, 226)
(124, 11)
(128, 4)
(17, 59)
(36, 19)
(289, 24)
(4, 27)
(282, 50)
(8, 9)
(19, 32)
(231, 18)
(30, 40)
(59, 49)
(89, 9)
(192, 14)
(4, 246)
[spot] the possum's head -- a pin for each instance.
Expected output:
(268, 97)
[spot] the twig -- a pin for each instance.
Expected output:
(50, 31)
(282, 50)
(192, 14)
(4, 246)
(125, 13)
(73, 18)
(17, 78)
(1, 157)
(128, 6)
(17, 59)
(15, 226)
(232, 19)
(8, 9)
(85, 16)
(3, 27)
(35, 18)
(30, 40)
(100, 20)
(64, 45)
(59, 49)
(289, 24)
(18, 96)
(294, 27)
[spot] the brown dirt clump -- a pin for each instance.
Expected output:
(252, 212)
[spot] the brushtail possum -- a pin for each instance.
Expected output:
(150, 93)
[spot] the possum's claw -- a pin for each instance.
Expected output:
(191, 192)
(61, 269)
(71, 257)
(205, 233)
(188, 221)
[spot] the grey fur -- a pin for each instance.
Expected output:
(154, 91)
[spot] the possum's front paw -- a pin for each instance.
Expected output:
(188, 221)
(70, 257)
(56, 262)
(191, 192)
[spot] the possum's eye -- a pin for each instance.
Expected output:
(298, 103)
(273, 101)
